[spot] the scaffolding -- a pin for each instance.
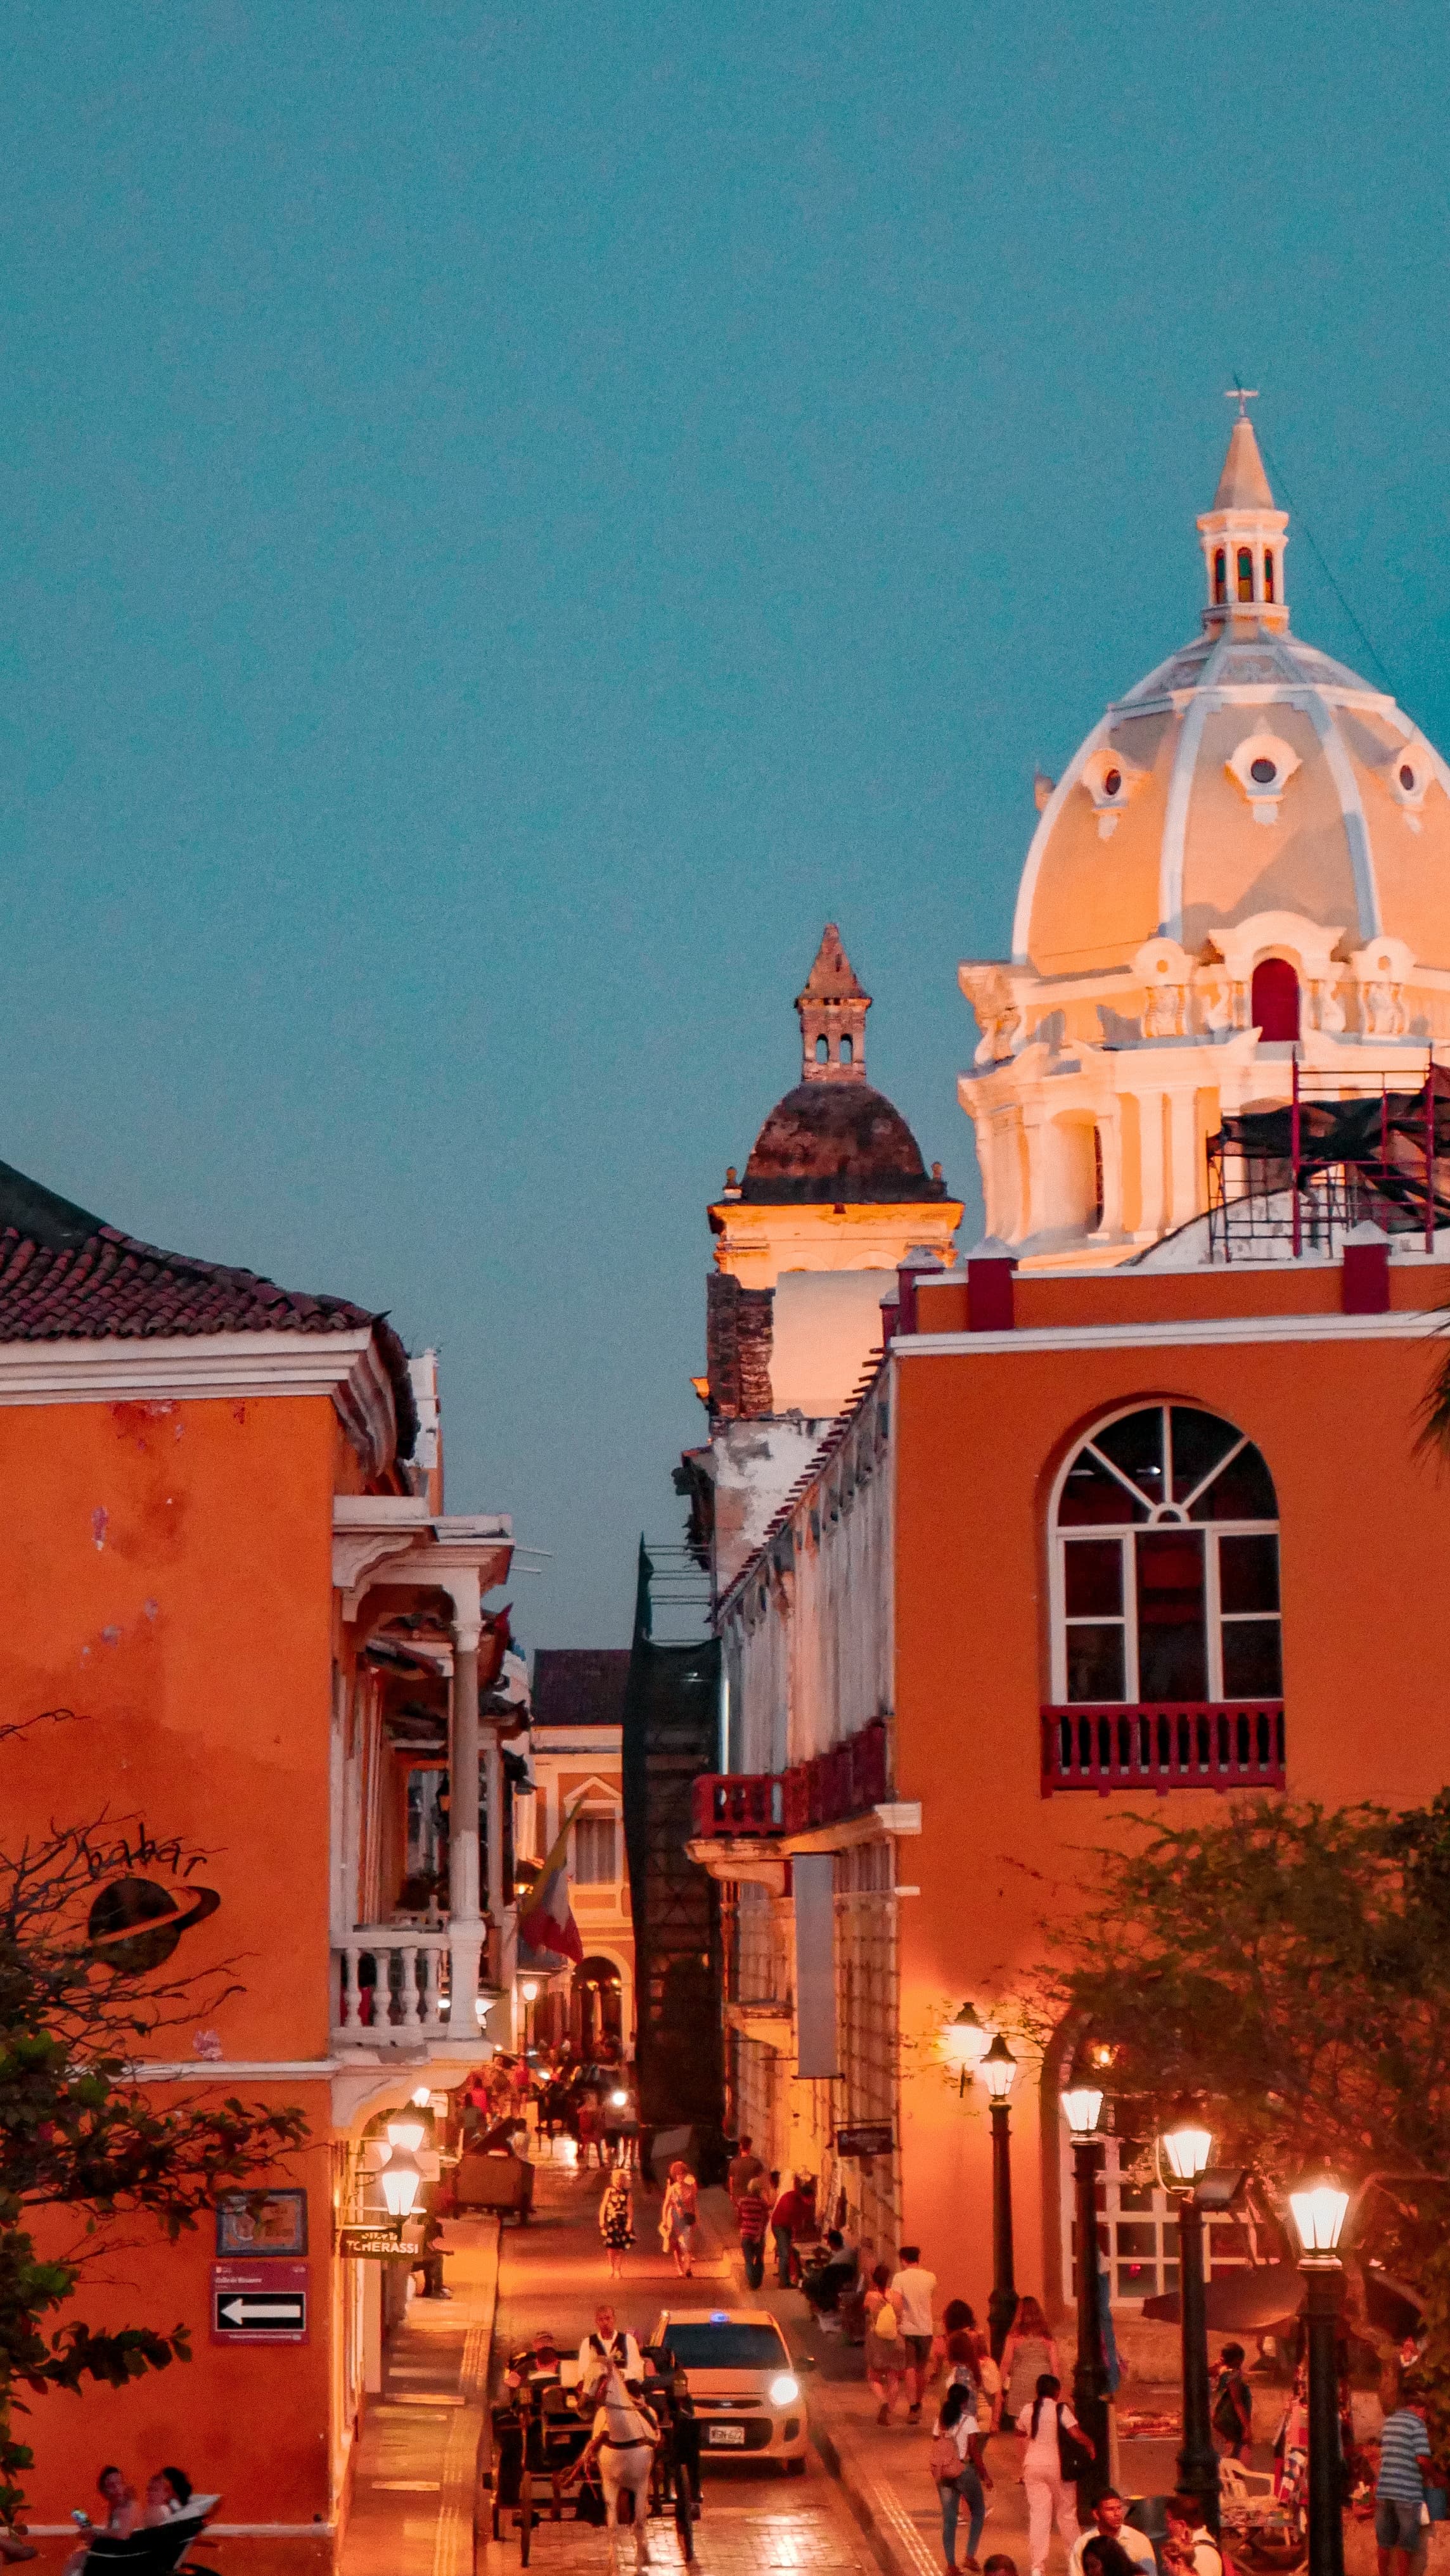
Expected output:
(1300, 1176)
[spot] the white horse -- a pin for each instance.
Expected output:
(624, 2440)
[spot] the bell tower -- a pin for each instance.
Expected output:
(833, 1012)
(1244, 537)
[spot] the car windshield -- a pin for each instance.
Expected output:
(727, 2347)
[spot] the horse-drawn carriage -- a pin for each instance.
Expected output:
(540, 2432)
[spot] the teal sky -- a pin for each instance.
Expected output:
(511, 518)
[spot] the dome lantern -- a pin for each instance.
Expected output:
(1244, 538)
(833, 1010)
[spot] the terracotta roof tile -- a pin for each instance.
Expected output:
(67, 1276)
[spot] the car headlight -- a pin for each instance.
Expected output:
(785, 2390)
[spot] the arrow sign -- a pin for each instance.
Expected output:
(259, 2302)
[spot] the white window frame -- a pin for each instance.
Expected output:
(595, 1816)
(1159, 1516)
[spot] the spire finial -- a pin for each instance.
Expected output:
(1243, 395)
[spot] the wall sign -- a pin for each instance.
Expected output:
(374, 2245)
(261, 2226)
(259, 2302)
(868, 2138)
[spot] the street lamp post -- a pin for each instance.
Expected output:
(964, 2042)
(1084, 2106)
(1188, 2148)
(998, 2068)
(1318, 2211)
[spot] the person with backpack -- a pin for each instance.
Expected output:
(1233, 2402)
(885, 2346)
(955, 2461)
(1052, 2443)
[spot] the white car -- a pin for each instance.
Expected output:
(747, 2395)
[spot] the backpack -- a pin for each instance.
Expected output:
(991, 2376)
(944, 2460)
(1073, 2457)
(885, 2325)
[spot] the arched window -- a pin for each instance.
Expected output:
(1246, 573)
(1269, 577)
(1165, 1572)
(1274, 998)
(1220, 578)
(823, 1052)
(848, 1052)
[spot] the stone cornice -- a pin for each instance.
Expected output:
(217, 1367)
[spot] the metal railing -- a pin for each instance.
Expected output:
(1174, 1744)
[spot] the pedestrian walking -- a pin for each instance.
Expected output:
(1028, 2351)
(616, 2220)
(956, 2465)
(1050, 2493)
(1399, 2495)
(745, 2168)
(1233, 2402)
(752, 2217)
(885, 2349)
(793, 2216)
(915, 2288)
(588, 2130)
(678, 2218)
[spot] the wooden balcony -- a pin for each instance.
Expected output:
(1163, 1745)
(847, 1781)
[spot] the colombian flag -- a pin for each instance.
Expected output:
(549, 1924)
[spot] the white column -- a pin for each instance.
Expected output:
(1110, 1138)
(1185, 1197)
(1150, 1165)
(465, 1920)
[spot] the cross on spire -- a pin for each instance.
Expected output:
(1243, 395)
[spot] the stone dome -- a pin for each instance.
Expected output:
(836, 1140)
(1248, 775)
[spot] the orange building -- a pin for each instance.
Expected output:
(224, 1550)
(1131, 1520)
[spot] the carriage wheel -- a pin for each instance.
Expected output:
(526, 2515)
(684, 2520)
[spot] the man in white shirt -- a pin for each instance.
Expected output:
(915, 2288)
(609, 2342)
(1109, 2521)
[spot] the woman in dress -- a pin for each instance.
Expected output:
(885, 2344)
(1027, 2354)
(616, 2220)
(678, 2216)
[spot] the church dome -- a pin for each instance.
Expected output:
(836, 1140)
(1248, 776)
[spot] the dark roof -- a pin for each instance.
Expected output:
(580, 1685)
(836, 1140)
(66, 1276)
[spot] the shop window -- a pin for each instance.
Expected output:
(1165, 1565)
(1138, 2228)
(594, 1850)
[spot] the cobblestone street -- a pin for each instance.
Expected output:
(552, 2273)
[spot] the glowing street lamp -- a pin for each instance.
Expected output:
(1319, 2208)
(400, 2182)
(998, 2071)
(965, 2040)
(407, 2134)
(1083, 2105)
(1188, 2146)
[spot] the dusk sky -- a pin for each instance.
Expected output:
(512, 519)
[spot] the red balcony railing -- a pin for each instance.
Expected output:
(1226, 1744)
(844, 1782)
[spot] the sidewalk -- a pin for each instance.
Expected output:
(412, 2498)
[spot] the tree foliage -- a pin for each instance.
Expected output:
(78, 2135)
(1287, 1969)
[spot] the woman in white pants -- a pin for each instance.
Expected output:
(1049, 2494)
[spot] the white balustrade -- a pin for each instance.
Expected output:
(403, 2016)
